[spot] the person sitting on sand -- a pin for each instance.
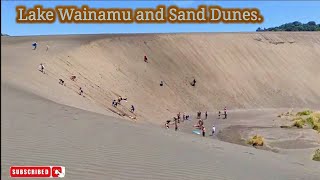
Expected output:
(61, 82)
(132, 109)
(73, 78)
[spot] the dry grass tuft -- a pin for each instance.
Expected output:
(256, 141)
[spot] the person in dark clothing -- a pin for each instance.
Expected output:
(145, 59)
(81, 91)
(61, 81)
(199, 115)
(161, 83)
(225, 112)
(219, 114)
(35, 44)
(132, 109)
(206, 114)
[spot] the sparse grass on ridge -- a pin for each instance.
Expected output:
(305, 117)
(304, 113)
(256, 141)
(316, 156)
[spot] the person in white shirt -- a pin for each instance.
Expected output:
(213, 129)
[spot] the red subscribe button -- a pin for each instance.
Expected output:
(37, 171)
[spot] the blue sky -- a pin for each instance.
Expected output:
(275, 13)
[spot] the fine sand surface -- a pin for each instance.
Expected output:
(37, 131)
(256, 75)
(237, 70)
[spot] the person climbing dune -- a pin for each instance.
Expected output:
(132, 109)
(193, 82)
(145, 59)
(41, 68)
(81, 91)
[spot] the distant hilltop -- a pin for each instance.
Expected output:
(294, 26)
(4, 34)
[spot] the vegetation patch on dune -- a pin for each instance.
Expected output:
(316, 156)
(303, 118)
(304, 113)
(299, 122)
(314, 121)
(256, 141)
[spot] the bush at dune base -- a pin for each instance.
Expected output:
(256, 141)
(316, 155)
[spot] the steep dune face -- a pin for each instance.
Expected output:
(237, 70)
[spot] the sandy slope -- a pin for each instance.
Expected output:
(37, 131)
(239, 70)
(46, 123)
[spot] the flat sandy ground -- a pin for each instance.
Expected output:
(37, 131)
(241, 125)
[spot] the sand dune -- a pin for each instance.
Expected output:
(45, 123)
(239, 70)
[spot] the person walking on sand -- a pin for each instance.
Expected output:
(213, 129)
(47, 48)
(225, 112)
(175, 126)
(178, 115)
(35, 44)
(198, 115)
(132, 109)
(219, 114)
(203, 131)
(206, 114)
(41, 68)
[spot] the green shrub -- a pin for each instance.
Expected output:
(299, 123)
(316, 156)
(304, 113)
